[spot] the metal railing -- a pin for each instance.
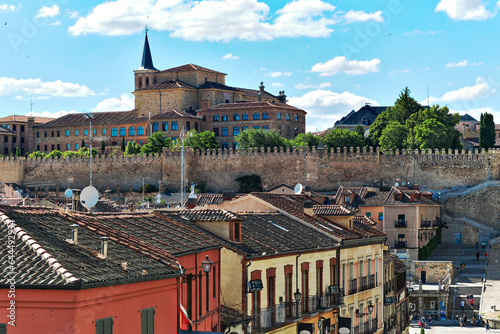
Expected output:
(353, 286)
(374, 326)
(372, 282)
(400, 223)
(400, 244)
(426, 223)
(293, 310)
(331, 300)
(269, 317)
(310, 304)
(363, 283)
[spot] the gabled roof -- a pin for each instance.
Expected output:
(360, 192)
(105, 117)
(175, 114)
(208, 215)
(467, 118)
(365, 221)
(331, 210)
(45, 256)
(172, 84)
(216, 85)
(24, 119)
(209, 198)
(354, 118)
(406, 197)
(253, 105)
(191, 67)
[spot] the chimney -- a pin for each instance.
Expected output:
(282, 96)
(416, 187)
(191, 202)
(308, 208)
(412, 197)
(104, 246)
(307, 190)
(367, 105)
(260, 96)
(227, 195)
(205, 104)
(74, 227)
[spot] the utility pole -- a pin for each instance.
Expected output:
(90, 116)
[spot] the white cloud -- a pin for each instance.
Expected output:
(57, 88)
(277, 84)
(210, 20)
(46, 11)
(413, 33)
(51, 114)
(123, 103)
(72, 14)
(57, 23)
(464, 10)
(230, 56)
(321, 85)
(476, 113)
(405, 71)
(360, 16)
(325, 107)
(480, 90)
(5, 7)
(280, 74)
(462, 64)
(350, 67)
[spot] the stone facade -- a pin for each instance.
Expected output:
(18, 132)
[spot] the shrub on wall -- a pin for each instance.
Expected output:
(249, 183)
(426, 251)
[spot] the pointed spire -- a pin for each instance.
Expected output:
(147, 60)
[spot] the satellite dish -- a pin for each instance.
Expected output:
(158, 201)
(89, 197)
(298, 189)
(397, 184)
(18, 194)
(68, 193)
(158, 196)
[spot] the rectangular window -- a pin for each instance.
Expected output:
(3, 328)
(58, 147)
(14, 139)
(67, 146)
(52, 147)
(215, 131)
(174, 125)
(52, 133)
(104, 326)
(265, 127)
(22, 128)
(67, 133)
(236, 131)
(148, 320)
(288, 131)
(58, 133)
(38, 134)
(196, 126)
(237, 232)
(225, 145)
(94, 132)
(224, 132)
(380, 216)
(38, 148)
(5, 139)
(256, 127)
(45, 134)
(76, 146)
(14, 127)
(188, 125)
(164, 126)
(76, 132)
(243, 128)
(103, 132)
(45, 147)
(155, 126)
(22, 140)
(85, 132)
(368, 214)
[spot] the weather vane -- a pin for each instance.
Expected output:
(146, 29)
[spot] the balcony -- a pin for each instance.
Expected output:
(331, 300)
(390, 324)
(400, 223)
(353, 286)
(355, 330)
(267, 318)
(372, 282)
(400, 244)
(363, 283)
(293, 310)
(310, 304)
(426, 223)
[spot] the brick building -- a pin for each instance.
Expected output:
(188, 97)
(18, 132)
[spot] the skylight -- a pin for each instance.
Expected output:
(284, 229)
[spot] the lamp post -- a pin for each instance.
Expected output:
(206, 266)
(361, 315)
(90, 116)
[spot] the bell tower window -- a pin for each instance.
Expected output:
(140, 83)
(147, 82)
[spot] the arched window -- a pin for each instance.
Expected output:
(224, 118)
(256, 115)
(216, 118)
(244, 117)
(123, 132)
(140, 83)
(147, 82)
(265, 115)
(114, 132)
(296, 118)
(131, 131)
(140, 131)
(236, 117)
(279, 115)
(287, 117)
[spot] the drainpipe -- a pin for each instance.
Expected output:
(297, 271)
(245, 286)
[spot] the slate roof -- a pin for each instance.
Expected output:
(190, 67)
(331, 210)
(147, 60)
(216, 85)
(207, 198)
(467, 118)
(253, 105)
(354, 117)
(175, 114)
(255, 93)
(45, 256)
(172, 84)
(106, 117)
(233, 317)
(24, 119)
(294, 205)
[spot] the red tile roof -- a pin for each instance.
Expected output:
(253, 105)
(24, 119)
(191, 67)
(365, 220)
(106, 117)
(331, 210)
(208, 215)
(175, 114)
(173, 84)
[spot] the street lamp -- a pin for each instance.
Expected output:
(370, 310)
(206, 266)
(90, 116)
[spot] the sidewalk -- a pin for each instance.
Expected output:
(491, 294)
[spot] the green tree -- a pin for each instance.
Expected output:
(103, 147)
(123, 145)
(18, 152)
(343, 138)
(54, 154)
(486, 131)
(304, 139)
(83, 143)
(37, 154)
(132, 148)
(200, 140)
(433, 134)
(85, 152)
(260, 138)
(394, 136)
(156, 143)
(249, 183)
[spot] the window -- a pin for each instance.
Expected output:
(216, 118)
(224, 118)
(224, 132)
(236, 131)
(22, 140)
(58, 133)
(104, 326)
(58, 147)
(67, 133)
(265, 127)
(287, 117)
(225, 145)
(256, 115)
(114, 132)
(45, 147)
(196, 126)
(148, 320)
(140, 131)
(380, 216)
(296, 131)
(244, 117)
(3, 328)
(76, 146)
(67, 146)
(368, 214)
(155, 126)
(85, 132)
(433, 304)
(174, 125)
(123, 132)
(104, 131)
(38, 134)
(279, 115)
(52, 133)
(164, 126)
(14, 127)
(37, 148)
(204, 118)
(256, 127)
(347, 199)
(94, 132)
(77, 132)
(265, 115)
(237, 232)
(188, 125)
(216, 132)
(14, 140)
(288, 131)
(5, 139)
(52, 147)
(22, 128)
(131, 131)
(45, 134)
(243, 128)
(147, 82)
(236, 117)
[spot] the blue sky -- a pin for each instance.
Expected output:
(328, 56)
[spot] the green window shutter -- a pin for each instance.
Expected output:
(104, 326)
(3, 328)
(148, 320)
(99, 326)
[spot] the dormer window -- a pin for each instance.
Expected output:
(236, 233)
(347, 199)
(364, 121)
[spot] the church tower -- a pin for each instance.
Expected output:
(146, 74)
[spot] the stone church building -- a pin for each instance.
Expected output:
(185, 97)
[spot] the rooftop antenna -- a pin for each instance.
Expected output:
(428, 96)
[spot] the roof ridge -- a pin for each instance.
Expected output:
(38, 249)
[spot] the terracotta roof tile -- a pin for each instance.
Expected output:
(255, 93)
(175, 114)
(216, 85)
(253, 105)
(190, 67)
(365, 221)
(208, 215)
(331, 210)
(107, 117)
(24, 119)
